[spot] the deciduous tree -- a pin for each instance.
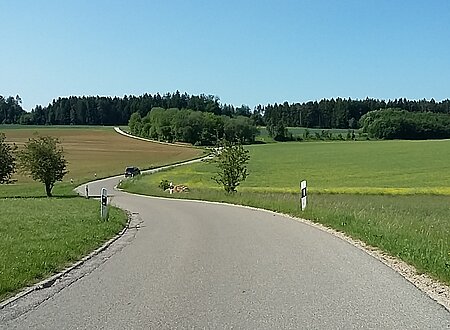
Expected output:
(43, 159)
(7, 160)
(231, 161)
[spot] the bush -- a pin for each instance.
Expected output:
(164, 184)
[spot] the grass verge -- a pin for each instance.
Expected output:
(40, 236)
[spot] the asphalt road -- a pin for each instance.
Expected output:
(200, 265)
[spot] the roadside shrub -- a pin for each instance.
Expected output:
(164, 184)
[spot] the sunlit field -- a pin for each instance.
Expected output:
(40, 235)
(370, 167)
(93, 152)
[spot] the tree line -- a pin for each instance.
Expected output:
(339, 113)
(401, 124)
(196, 127)
(102, 110)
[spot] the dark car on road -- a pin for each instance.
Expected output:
(132, 171)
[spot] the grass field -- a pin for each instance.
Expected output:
(391, 194)
(371, 167)
(39, 235)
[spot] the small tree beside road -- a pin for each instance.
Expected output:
(44, 161)
(7, 160)
(231, 160)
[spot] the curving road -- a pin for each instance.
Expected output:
(203, 265)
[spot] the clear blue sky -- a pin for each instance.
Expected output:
(245, 52)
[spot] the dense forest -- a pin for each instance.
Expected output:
(101, 110)
(340, 113)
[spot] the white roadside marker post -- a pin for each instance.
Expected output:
(104, 204)
(303, 194)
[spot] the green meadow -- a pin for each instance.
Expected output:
(352, 167)
(394, 195)
(356, 167)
